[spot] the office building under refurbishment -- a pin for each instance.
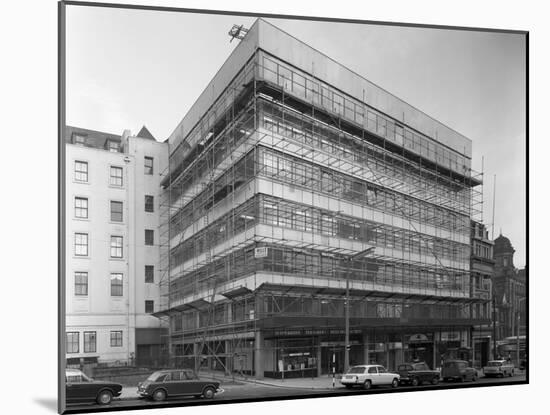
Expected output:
(287, 166)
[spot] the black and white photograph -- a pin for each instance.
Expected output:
(273, 208)
(262, 207)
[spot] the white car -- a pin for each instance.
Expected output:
(498, 368)
(368, 376)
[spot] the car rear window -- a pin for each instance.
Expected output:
(357, 370)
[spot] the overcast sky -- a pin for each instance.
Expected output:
(128, 68)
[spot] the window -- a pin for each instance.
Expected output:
(149, 306)
(116, 211)
(81, 244)
(115, 178)
(149, 203)
(113, 146)
(81, 171)
(116, 246)
(89, 342)
(80, 283)
(72, 342)
(116, 285)
(149, 237)
(149, 273)
(148, 165)
(116, 339)
(81, 207)
(79, 139)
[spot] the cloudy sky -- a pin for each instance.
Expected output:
(128, 68)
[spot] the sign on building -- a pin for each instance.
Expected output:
(260, 252)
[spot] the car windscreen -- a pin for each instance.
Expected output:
(155, 376)
(496, 364)
(357, 370)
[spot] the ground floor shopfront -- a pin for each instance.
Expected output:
(312, 352)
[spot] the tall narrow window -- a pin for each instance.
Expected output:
(81, 244)
(116, 246)
(148, 164)
(149, 237)
(81, 207)
(89, 342)
(79, 139)
(149, 203)
(115, 178)
(149, 306)
(116, 339)
(80, 283)
(72, 342)
(116, 211)
(116, 285)
(149, 273)
(81, 171)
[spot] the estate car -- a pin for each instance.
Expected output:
(499, 368)
(458, 370)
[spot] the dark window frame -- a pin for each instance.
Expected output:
(80, 287)
(88, 343)
(116, 338)
(79, 171)
(117, 284)
(80, 245)
(114, 212)
(148, 165)
(149, 203)
(72, 335)
(149, 273)
(149, 306)
(149, 237)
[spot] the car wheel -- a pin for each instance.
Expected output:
(435, 381)
(104, 397)
(159, 395)
(415, 382)
(395, 383)
(367, 384)
(209, 392)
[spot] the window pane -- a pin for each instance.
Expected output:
(149, 203)
(149, 237)
(116, 285)
(81, 283)
(149, 306)
(72, 342)
(81, 207)
(116, 339)
(81, 171)
(148, 165)
(149, 273)
(116, 211)
(116, 246)
(89, 342)
(116, 176)
(81, 244)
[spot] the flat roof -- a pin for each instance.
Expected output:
(267, 37)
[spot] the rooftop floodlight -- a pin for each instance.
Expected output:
(237, 32)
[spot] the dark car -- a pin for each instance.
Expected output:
(176, 383)
(80, 389)
(416, 373)
(458, 370)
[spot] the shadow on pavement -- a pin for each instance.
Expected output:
(48, 403)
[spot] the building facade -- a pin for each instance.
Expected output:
(482, 271)
(285, 167)
(509, 291)
(112, 261)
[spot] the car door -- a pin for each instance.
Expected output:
(372, 375)
(384, 378)
(79, 388)
(192, 384)
(172, 383)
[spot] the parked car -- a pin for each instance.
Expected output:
(368, 376)
(176, 383)
(416, 373)
(458, 370)
(499, 368)
(81, 388)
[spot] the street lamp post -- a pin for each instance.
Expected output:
(518, 314)
(346, 341)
